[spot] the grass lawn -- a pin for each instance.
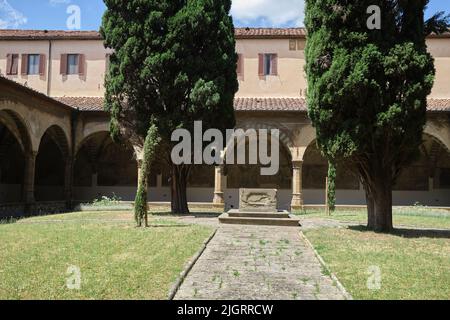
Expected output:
(420, 217)
(116, 260)
(414, 264)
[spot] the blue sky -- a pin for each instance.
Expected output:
(52, 14)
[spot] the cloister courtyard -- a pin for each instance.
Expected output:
(118, 261)
(67, 190)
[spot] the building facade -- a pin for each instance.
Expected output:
(55, 146)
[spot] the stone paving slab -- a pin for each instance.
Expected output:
(256, 263)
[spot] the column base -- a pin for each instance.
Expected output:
(297, 207)
(218, 202)
(219, 207)
(297, 203)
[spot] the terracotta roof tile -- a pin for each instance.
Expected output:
(242, 104)
(270, 104)
(9, 34)
(241, 33)
(439, 105)
(246, 33)
(83, 103)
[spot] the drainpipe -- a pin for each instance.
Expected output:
(49, 75)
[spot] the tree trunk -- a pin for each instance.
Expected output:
(370, 209)
(179, 189)
(383, 208)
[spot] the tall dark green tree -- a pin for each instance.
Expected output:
(174, 63)
(368, 90)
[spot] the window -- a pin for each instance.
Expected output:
(268, 64)
(33, 64)
(12, 64)
(297, 45)
(72, 64)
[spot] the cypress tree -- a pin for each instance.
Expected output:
(367, 90)
(174, 63)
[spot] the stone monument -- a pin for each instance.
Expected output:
(259, 207)
(258, 200)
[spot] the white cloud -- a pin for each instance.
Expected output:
(269, 13)
(58, 2)
(10, 18)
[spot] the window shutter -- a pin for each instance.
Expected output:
(8, 63)
(240, 65)
(63, 64)
(274, 64)
(42, 64)
(24, 67)
(261, 64)
(81, 64)
(14, 64)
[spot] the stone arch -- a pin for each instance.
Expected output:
(53, 156)
(18, 126)
(285, 134)
(303, 138)
(428, 172)
(13, 154)
(57, 134)
(440, 132)
(85, 139)
(286, 141)
(87, 129)
(23, 113)
(102, 167)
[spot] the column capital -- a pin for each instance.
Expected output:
(31, 154)
(297, 164)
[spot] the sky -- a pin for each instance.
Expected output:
(63, 14)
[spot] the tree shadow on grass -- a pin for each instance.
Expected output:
(411, 233)
(10, 220)
(192, 214)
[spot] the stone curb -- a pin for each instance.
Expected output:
(188, 267)
(347, 295)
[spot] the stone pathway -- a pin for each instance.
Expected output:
(254, 262)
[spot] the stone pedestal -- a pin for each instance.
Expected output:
(259, 207)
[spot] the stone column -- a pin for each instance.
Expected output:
(94, 180)
(297, 187)
(28, 183)
(159, 180)
(219, 199)
(68, 182)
